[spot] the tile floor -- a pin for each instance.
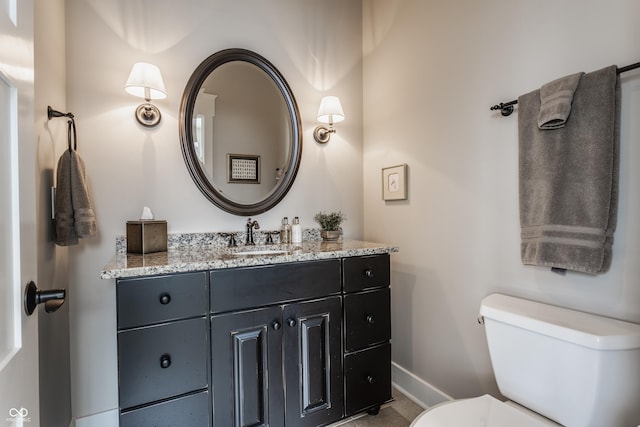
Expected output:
(398, 413)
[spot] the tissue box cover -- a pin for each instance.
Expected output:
(146, 236)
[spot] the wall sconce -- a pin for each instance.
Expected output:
(145, 81)
(330, 112)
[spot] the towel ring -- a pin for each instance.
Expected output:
(52, 114)
(72, 129)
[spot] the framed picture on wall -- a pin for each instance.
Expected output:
(243, 169)
(394, 182)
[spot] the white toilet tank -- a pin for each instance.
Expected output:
(578, 369)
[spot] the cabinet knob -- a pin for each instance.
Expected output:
(368, 272)
(165, 361)
(165, 298)
(370, 379)
(291, 322)
(275, 325)
(370, 319)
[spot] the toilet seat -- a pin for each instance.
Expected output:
(483, 411)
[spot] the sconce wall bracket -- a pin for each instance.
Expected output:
(148, 115)
(322, 134)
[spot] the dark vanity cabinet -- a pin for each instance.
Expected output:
(296, 344)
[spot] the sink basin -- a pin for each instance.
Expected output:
(262, 252)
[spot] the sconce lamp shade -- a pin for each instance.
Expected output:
(145, 81)
(330, 110)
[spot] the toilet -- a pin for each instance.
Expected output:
(557, 366)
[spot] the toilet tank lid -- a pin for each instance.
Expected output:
(589, 330)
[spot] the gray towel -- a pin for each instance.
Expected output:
(73, 207)
(569, 178)
(555, 101)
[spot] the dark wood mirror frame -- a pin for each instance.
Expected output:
(186, 132)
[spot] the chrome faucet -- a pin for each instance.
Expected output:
(251, 225)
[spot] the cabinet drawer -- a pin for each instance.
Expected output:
(367, 378)
(192, 411)
(243, 288)
(367, 318)
(143, 301)
(365, 272)
(162, 361)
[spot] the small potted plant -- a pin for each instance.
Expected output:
(330, 224)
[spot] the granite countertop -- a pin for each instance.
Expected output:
(209, 257)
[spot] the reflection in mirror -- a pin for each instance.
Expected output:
(239, 110)
(240, 132)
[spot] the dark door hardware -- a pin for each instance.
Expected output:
(165, 361)
(52, 299)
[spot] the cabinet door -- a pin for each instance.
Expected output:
(246, 357)
(367, 319)
(162, 361)
(365, 272)
(234, 289)
(313, 362)
(367, 378)
(148, 300)
(190, 410)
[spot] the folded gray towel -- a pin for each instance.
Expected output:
(555, 101)
(569, 178)
(73, 207)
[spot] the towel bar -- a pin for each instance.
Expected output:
(506, 108)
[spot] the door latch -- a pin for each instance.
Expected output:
(52, 299)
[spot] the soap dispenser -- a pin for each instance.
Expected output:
(296, 231)
(285, 231)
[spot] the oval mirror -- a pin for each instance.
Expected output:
(240, 132)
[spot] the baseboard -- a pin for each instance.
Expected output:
(102, 419)
(415, 388)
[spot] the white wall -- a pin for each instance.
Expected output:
(432, 69)
(51, 137)
(316, 45)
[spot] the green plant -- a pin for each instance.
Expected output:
(330, 221)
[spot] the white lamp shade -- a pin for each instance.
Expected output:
(146, 76)
(330, 110)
